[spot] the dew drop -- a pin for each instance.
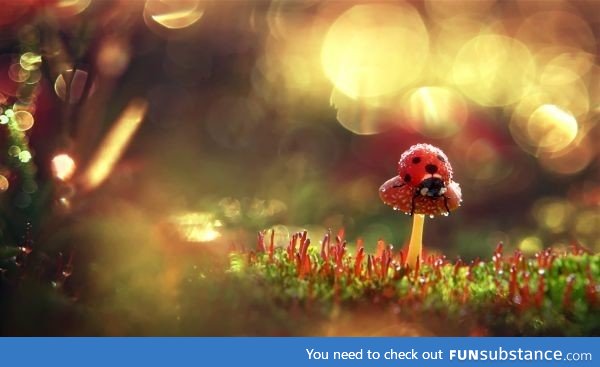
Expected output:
(446, 214)
(541, 271)
(431, 216)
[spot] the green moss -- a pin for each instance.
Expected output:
(550, 293)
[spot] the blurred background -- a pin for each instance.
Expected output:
(203, 122)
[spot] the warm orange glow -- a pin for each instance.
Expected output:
(63, 167)
(114, 144)
(197, 226)
(113, 56)
(4, 184)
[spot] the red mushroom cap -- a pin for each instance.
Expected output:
(424, 184)
(400, 196)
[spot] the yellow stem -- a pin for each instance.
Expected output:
(415, 247)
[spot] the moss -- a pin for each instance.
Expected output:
(550, 293)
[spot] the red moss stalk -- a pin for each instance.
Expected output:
(360, 254)
(541, 289)
(568, 294)
(272, 246)
(260, 246)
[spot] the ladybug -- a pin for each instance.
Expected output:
(424, 183)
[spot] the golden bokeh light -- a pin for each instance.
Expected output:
(285, 18)
(25, 156)
(113, 56)
(14, 151)
(564, 65)
(34, 77)
(594, 90)
(574, 159)
(484, 164)
(357, 116)
(292, 68)
(446, 9)
(23, 120)
(448, 37)
(556, 28)
(71, 86)
(68, 8)
(435, 112)
(530, 119)
(493, 70)
(528, 7)
(553, 214)
(113, 145)
(30, 61)
(551, 128)
(174, 14)
(63, 166)
(553, 76)
(530, 245)
(4, 183)
(375, 49)
(17, 73)
(261, 208)
(197, 226)
(231, 207)
(587, 223)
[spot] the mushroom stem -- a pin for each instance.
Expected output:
(415, 246)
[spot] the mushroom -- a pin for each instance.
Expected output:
(423, 186)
